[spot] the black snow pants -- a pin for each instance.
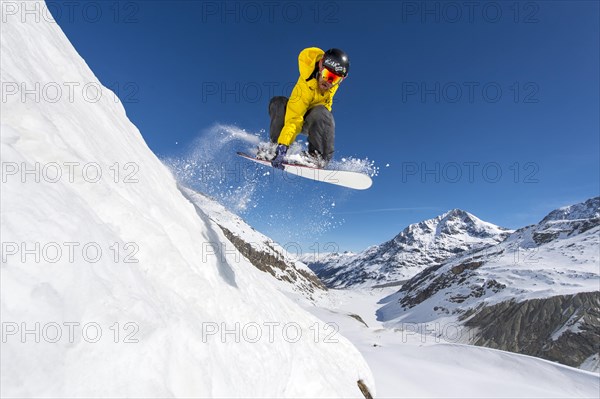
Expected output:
(318, 125)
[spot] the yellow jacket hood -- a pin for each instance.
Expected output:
(307, 59)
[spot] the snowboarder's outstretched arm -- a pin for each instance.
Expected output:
(294, 114)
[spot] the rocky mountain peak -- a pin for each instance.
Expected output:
(589, 209)
(418, 246)
(455, 222)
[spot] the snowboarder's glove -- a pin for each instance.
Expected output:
(277, 162)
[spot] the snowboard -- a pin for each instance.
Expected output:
(344, 178)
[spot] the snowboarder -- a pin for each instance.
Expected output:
(308, 110)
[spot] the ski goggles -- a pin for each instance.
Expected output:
(331, 77)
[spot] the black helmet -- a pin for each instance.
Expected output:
(337, 61)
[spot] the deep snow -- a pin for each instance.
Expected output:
(160, 275)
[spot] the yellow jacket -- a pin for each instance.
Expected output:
(305, 96)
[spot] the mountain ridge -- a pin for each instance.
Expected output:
(535, 271)
(416, 247)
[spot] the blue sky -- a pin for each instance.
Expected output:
(491, 107)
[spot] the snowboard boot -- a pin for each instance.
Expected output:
(314, 159)
(266, 151)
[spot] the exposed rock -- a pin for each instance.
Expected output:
(364, 389)
(357, 317)
(465, 266)
(563, 328)
(264, 253)
(268, 262)
(545, 237)
(417, 291)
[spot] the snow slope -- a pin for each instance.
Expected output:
(408, 364)
(112, 284)
(264, 253)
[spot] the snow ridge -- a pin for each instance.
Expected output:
(161, 292)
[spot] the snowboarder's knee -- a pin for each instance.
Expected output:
(321, 110)
(277, 102)
(321, 114)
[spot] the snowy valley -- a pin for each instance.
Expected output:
(534, 291)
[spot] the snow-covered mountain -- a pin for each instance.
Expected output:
(324, 265)
(113, 284)
(417, 247)
(537, 292)
(264, 253)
